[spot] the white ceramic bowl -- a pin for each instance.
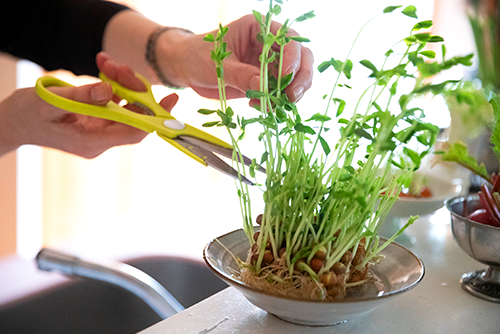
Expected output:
(400, 271)
(441, 188)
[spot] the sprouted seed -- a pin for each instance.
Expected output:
(324, 201)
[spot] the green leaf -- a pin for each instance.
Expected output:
(393, 88)
(254, 94)
(368, 64)
(423, 37)
(389, 52)
(337, 64)
(436, 39)
(362, 133)
(495, 132)
(209, 38)
(264, 157)
(324, 145)
(410, 40)
(428, 53)
(422, 25)
(206, 111)
(390, 9)
(410, 11)
(280, 115)
(306, 16)
(300, 39)
(414, 156)
(286, 80)
(341, 106)
(319, 118)
(436, 88)
(423, 139)
(251, 168)
(277, 9)
(258, 17)
(210, 124)
(323, 66)
(299, 127)
(375, 104)
(347, 68)
(245, 122)
(224, 118)
(458, 153)
(220, 72)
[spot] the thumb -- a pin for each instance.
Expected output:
(241, 76)
(98, 94)
(169, 102)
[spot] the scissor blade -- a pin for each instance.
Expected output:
(211, 159)
(224, 151)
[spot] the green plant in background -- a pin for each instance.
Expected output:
(470, 111)
(484, 21)
(324, 201)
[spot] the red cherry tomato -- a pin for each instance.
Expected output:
(425, 192)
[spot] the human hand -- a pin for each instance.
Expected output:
(27, 119)
(194, 68)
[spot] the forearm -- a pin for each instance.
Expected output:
(9, 131)
(125, 39)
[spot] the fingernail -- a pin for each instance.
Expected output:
(255, 83)
(298, 92)
(290, 69)
(100, 92)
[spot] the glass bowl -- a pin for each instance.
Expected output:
(400, 271)
(479, 241)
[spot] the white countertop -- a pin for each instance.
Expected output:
(437, 305)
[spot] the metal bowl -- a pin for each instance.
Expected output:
(400, 271)
(482, 243)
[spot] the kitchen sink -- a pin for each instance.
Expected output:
(87, 306)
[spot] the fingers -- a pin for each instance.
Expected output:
(90, 136)
(303, 77)
(213, 93)
(241, 76)
(169, 102)
(99, 93)
(119, 73)
(297, 59)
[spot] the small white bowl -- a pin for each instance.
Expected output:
(441, 190)
(400, 271)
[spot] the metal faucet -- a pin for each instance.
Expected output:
(116, 273)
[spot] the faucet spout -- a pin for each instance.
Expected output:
(113, 272)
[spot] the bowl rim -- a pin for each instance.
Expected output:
(242, 285)
(449, 202)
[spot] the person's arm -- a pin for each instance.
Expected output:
(69, 33)
(57, 34)
(184, 59)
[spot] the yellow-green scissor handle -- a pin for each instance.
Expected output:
(165, 125)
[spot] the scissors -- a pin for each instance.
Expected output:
(197, 144)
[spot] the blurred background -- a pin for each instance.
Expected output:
(150, 198)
